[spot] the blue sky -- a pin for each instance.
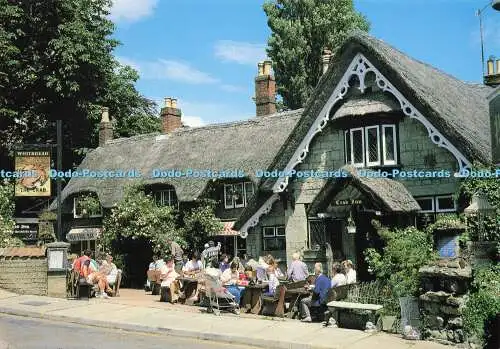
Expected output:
(205, 53)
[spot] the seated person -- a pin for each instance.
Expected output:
(214, 269)
(193, 266)
(319, 296)
(185, 259)
(349, 271)
(78, 263)
(273, 280)
(224, 264)
(230, 280)
(298, 269)
(241, 268)
(94, 277)
(338, 278)
(168, 276)
(109, 269)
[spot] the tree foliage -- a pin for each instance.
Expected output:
(138, 217)
(56, 62)
(490, 188)
(484, 303)
(405, 251)
(301, 29)
(6, 213)
(200, 223)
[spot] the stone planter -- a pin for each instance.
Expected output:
(388, 323)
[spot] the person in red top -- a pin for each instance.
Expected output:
(78, 264)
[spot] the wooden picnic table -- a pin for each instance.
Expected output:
(189, 286)
(252, 297)
(295, 295)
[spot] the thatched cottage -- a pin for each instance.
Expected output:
(374, 109)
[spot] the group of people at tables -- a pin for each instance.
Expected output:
(101, 272)
(236, 275)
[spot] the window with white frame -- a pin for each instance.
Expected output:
(432, 206)
(371, 146)
(238, 194)
(166, 197)
(86, 207)
(437, 204)
(274, 238)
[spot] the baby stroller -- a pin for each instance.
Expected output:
(218, 297)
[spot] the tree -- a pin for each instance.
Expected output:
(200, 223)
(138, 217)
(301, 29)
(56, 62)
(6, 213)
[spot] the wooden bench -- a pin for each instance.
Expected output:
(170, 294)
(116, 285)
(276, 303)
(75, 284)
(335, 307)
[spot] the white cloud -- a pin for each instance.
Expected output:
(193, 121)
(240, 52)
(172, 70)
(176, 71)
(232, 88)
(131, 10)
(130, 62)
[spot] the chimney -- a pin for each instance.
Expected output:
(494, 100)
(105, 128)
(265, 90)
(171, 115)
(492, 77)
(325, 60)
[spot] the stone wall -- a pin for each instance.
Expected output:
(24, 275)
(446, 285)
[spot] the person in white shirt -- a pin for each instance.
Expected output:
(338, 278)
(349, 271)
(193, 266)
(168, 276)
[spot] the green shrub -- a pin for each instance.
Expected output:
(405, 252)
(484, 302)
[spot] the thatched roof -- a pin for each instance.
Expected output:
(374, 103)
(245, 145)
(390, 195)
(459, 110)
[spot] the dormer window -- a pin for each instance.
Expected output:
(166, 197)
(369, 146)
(238, 194)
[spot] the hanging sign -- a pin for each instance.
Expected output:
(347, 202)
(32, 173)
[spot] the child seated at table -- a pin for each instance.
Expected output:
(273, 280)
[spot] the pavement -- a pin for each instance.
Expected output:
(137, 311)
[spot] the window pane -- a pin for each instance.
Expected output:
(239, 199)
(372, 144)
(248, 191)
(274, 244)
(389, 143)
(228, 196)
(445, 203)
(173, 198)
(268, 231)
(357, 146)
(347, 147)
(426, 204)
(281, 242)
(280, 231)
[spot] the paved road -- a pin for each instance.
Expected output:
(25, 333)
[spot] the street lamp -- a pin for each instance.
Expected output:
(495, 4)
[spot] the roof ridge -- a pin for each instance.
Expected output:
(250, 121)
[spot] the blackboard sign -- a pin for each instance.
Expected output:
(26, 231)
